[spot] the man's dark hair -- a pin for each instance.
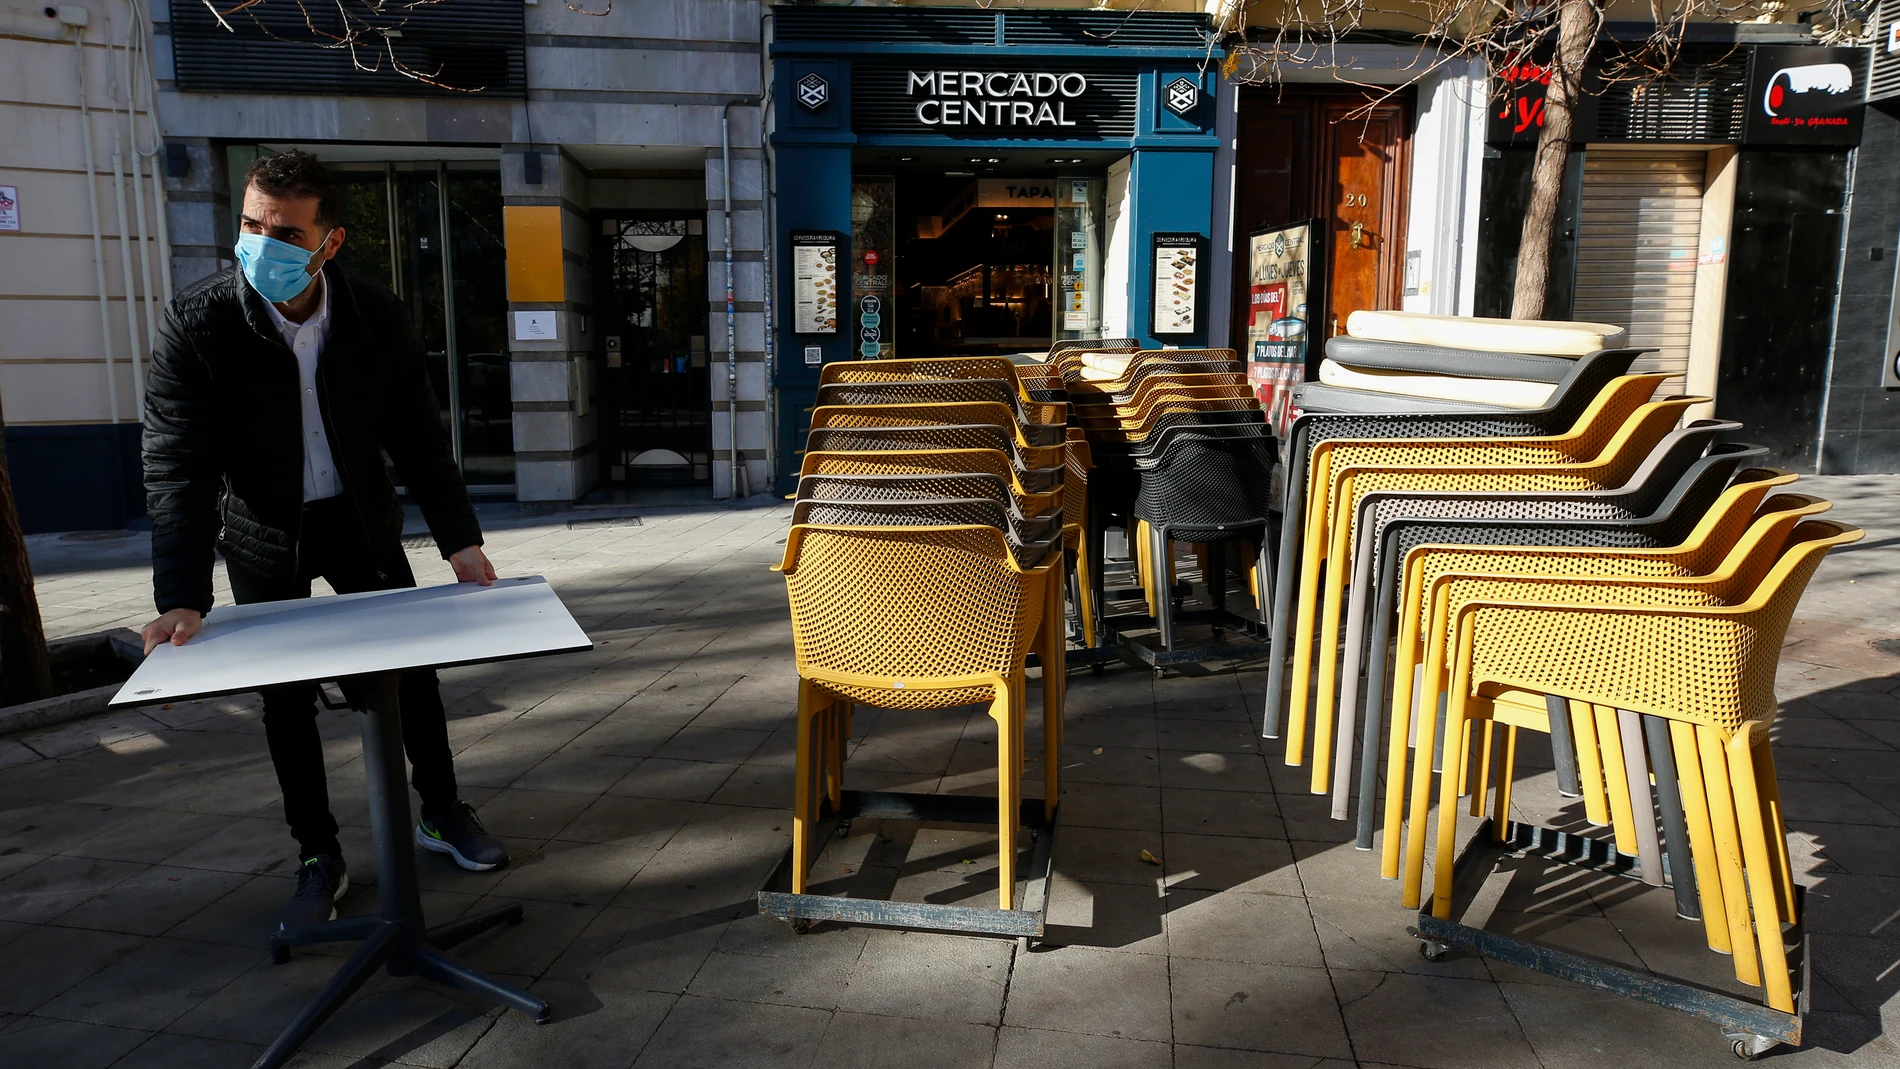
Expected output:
(296, 173)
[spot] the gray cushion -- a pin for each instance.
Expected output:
(1443, 360)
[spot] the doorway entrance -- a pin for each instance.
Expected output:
(431, 231)
(655, 385)
(957, 263)
(1339, 155)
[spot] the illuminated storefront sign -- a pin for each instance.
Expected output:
(995, 98)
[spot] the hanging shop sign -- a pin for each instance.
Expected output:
(1175, 273)
(1516, 101)
(1181, 96)
(815, 281)
(813, 91)
(1280, 273)
(983, 101)
(1805, 96)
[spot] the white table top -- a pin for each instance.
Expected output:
(244, 647)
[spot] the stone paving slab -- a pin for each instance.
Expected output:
(642, 787)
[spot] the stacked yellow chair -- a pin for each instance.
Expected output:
(1608, 442)
(928, 615)
(1696, 652)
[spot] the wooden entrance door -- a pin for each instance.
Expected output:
(1365, 160)
(1338, 155)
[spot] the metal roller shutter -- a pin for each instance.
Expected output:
(1636, 249)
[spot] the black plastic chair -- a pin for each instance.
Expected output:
(1211, 490)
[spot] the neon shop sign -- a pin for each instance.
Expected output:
(994, 98)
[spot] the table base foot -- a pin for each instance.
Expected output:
(385, 946)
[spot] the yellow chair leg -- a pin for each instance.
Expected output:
(1329, 656)
(1455, 727)
(1728, 855)
(1009, 779)
(1752, 817)
(1616, 780)
(1145, 565)
(1301, 673)
(1695, 811)
(1501, 805)
(1085, 590)
(802, 787)
(834, 754)
(1404, 732)
(1482, 792)
(1770, 789)
(1054, 694)
(1583, 723)
(1414, 856)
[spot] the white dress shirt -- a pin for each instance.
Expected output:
(306, 339)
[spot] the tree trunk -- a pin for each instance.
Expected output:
(1576, 36)
(25, 672)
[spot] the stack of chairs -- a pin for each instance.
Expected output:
(1182, 453)
(1569, 560)
(925, 565)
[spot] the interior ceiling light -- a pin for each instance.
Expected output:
(1062, 160)
(984, 159)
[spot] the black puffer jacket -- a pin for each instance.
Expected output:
(224, 433)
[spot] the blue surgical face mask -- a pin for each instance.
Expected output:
(278, 270)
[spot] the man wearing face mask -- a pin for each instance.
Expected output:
(275, 389)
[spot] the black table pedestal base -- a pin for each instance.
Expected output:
(395, 937)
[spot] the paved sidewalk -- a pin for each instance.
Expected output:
(643, 788)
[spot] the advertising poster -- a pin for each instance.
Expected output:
(1177, 283)
(9, 208)
(814, 282)
(1280, 274)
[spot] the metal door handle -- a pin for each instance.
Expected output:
(1359, 235)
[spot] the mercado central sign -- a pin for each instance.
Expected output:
(995, 98)
(973, 100)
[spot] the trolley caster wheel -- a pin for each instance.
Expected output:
(1750, 1047)
(1432, 950)
(279, 955)
(802, 926)
(844, 829)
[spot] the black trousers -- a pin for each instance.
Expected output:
(335, 547)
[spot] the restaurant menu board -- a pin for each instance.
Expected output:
(1177, 260)
(1279, 276)
(815, 281)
